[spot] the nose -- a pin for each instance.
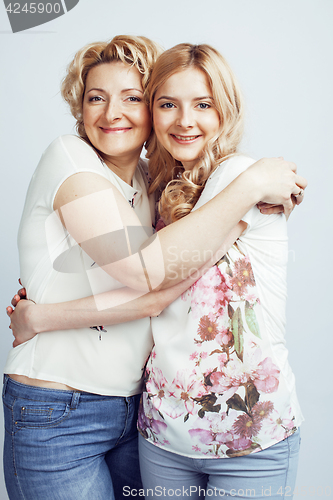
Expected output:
(113, 110)
(185, 118)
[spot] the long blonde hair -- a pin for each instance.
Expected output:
(183, 188)
(137, 51)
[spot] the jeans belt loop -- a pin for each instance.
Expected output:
(75, 400)
(5, 382)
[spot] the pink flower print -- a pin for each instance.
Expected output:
(207, 329)
(262, 410)
(263, 374)
(156, 387)
(204, 436)
(266, 376)
(223, 293)
(223, 359)
(149, 419)
(225, 338)
(186, 387)
(246, 426)
(186, 295)
(280, 428)
(198, 357)
(239, 444)
(211, 430)
(210, 293)
(242, 276)
(211, 279)
(251, 298)
(229, 379)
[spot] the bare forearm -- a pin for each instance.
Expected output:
(102, 309)
(86, 312)
(202, 231)
(117, 306)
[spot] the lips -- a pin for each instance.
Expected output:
(115, 130)
(184, 138)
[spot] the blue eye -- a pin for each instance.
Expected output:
(134, 98)
(95, 98)
(168, 105)
(204, 105)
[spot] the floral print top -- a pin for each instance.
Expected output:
(218, 383)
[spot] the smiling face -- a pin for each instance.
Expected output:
(116, 118)
(184, 115)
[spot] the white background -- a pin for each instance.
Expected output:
(281, 51)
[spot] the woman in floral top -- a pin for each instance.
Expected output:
(211, 346)
(217, 384)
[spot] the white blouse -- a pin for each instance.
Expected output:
(106, 360)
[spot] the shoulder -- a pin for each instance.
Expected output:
(225, 173)
(69, 154)
(230, 168)
(70, 146)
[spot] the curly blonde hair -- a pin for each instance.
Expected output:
(137, 51)
(183, 188)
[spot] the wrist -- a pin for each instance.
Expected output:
(251, 186)
(34, 318)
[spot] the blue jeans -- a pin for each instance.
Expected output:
(64, 445)
(268, 474)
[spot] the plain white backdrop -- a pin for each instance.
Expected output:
(281, 51)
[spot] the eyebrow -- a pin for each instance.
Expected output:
(170, 98)
(123, 91)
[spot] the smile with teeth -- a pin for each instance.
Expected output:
(185, 137)
(115, 129)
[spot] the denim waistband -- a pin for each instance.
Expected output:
(17, 389)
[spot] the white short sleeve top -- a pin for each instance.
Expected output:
(108, 362)
(218, 383)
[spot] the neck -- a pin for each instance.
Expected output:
(124, 168)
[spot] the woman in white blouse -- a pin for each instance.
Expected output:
(85, 230)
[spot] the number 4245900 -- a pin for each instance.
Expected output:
(33, 8)
(302, 491)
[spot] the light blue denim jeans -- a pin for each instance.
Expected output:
(64, 445)
(268, 474)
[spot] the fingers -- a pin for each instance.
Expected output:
(19, 280)
(9, 311)
(301, 182)
(15, 300)
(262, 204)
(22, 293)
(274, 209)
(299, 197)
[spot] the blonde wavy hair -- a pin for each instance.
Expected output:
(137, 51)
(183, 188)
